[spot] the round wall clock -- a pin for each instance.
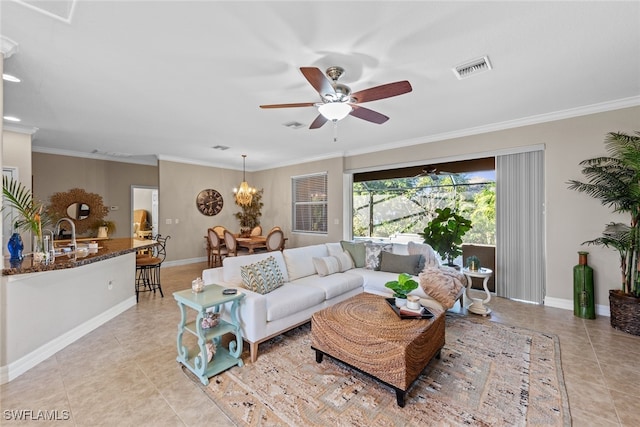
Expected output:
(209, 202)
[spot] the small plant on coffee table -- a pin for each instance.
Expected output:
(402, 286)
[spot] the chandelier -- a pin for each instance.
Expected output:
(244, 194)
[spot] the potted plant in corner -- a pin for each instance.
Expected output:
(401, 288)
(444, 234)
(615, 181)
(251, 213)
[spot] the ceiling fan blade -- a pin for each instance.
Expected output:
(300, 104)
(318, 80)
(318, 122)
(383, 91)
(367, 114)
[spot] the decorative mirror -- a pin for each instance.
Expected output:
(85, 209)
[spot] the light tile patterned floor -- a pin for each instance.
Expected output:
(125, 372)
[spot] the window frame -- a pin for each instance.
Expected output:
(297, 181)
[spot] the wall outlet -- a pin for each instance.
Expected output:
(168, 221)
(177, 220)
(110, 285)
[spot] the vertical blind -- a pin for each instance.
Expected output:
(520, 226)
(310, 203)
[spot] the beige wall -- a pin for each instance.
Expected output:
(16, 153)
(571, 217)
(111, 180)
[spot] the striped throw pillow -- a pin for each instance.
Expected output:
(263, 276)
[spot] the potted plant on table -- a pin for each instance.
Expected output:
(32, 219)
(444, 234)
(251, 213)
(401, 288)
(615, 181)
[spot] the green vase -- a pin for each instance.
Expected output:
(583, 296)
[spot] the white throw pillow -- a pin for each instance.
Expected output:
(326, 266)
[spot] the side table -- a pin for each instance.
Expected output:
(195, 359)
(477, 305)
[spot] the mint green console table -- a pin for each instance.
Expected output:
(196, 359)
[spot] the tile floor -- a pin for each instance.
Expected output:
(125, 373)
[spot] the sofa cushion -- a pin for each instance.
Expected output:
(430, 257)
(263, 276)
(334, 248)
(328, 265)
(393, 263)
(231, 271)
(373, 253)
(331, 286)
(292, 299)
(299, 261)
(357, 252)
(443, 284)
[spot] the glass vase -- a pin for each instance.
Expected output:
(39, 253)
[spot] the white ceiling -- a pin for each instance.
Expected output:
(172, 79)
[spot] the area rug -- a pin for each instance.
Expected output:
(489, 374)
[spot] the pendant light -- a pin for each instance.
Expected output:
(244, 194)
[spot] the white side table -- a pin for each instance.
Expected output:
(477, 305)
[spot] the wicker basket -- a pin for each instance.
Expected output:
(625, 312)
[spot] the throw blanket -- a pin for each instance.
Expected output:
(443, 284)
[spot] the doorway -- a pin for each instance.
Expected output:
(144, 200)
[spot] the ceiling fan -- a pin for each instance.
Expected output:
(337, 101)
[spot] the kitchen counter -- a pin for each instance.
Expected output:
(106, 249)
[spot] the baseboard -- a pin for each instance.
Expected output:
(22, 365)
(567, 304)
(186, 261)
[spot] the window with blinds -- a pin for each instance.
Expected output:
(310, 203)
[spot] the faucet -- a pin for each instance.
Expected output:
(73, 231)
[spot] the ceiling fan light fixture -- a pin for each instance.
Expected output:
(335, 111)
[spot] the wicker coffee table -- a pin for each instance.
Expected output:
(366, 334)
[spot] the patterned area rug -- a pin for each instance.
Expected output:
(489, 375)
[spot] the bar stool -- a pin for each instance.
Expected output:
(148, 267)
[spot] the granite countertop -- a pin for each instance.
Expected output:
(106, 249)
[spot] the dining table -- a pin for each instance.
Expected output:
(252, 242)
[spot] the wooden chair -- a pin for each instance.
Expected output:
(275, 240)
(148, 267)
(231, 243)
(277, 227)
(217, 249)
(219, 231)
(256, 231)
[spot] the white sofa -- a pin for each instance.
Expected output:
(263, 316)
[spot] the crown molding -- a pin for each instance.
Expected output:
(28, 130)
(138, 160)
(7, 46)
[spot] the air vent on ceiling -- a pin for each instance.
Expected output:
(220, 147)
(472, 68)
(294, 125)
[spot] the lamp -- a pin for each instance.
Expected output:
(335, 111)
(244, 194)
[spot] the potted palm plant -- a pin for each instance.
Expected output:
(444, 234)
(615, 181)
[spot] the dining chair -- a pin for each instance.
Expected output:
(217, 250)
(148, 267)
(219, 229)
(231, 243)
(256, 231)
(275, 240)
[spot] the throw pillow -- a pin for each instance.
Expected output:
(394, 263)
(263, 276)
(443, 284)
(430, 257)
(345, 261)
(326, 266)
(373, 252)
(357, 252)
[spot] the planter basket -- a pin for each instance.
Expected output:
(625, 312)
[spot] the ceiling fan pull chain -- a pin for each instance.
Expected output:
(335, 131)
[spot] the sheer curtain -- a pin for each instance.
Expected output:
(520, 226)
